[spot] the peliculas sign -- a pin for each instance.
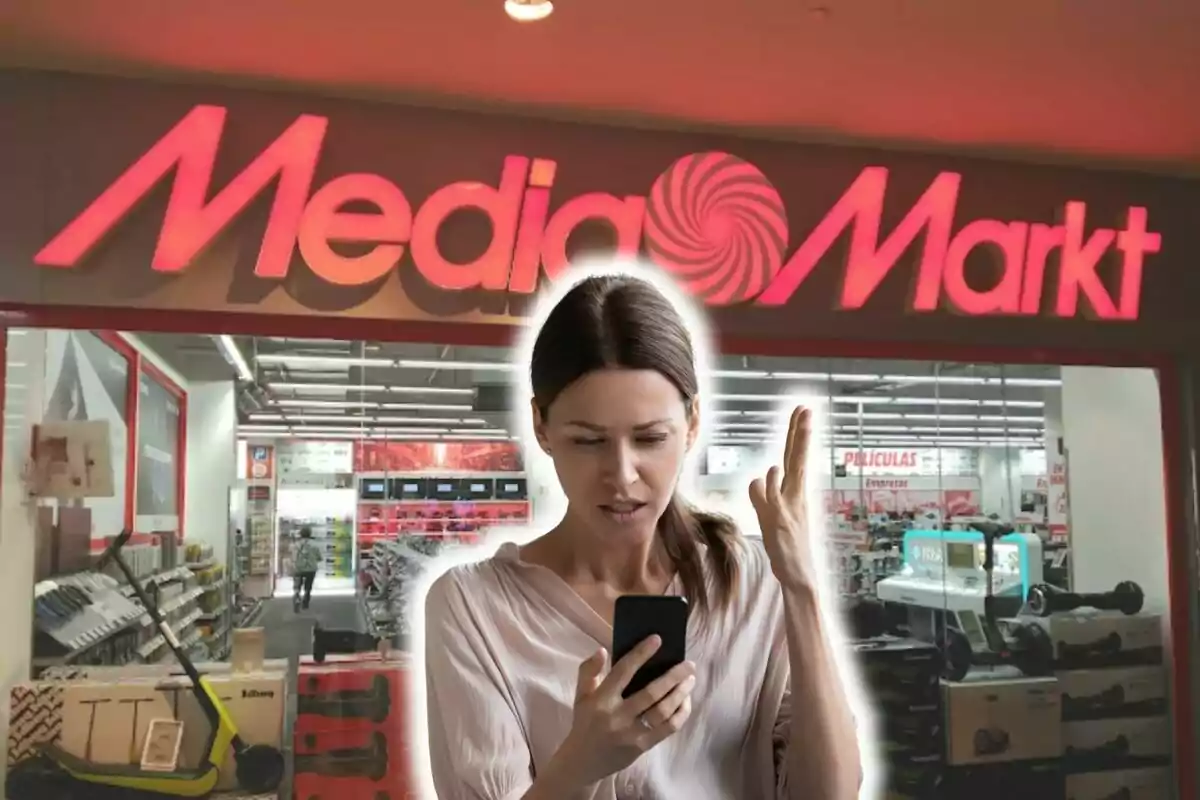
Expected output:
(711, 219)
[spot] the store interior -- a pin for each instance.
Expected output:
(968, 508)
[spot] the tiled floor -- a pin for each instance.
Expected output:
(289, 635)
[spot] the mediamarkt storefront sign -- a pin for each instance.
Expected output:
(711, 219)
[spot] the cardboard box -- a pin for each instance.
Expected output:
(107, 722)
(990, 721)
(35, 716)
(1088, 640)
(912, 781)
(1152, 783)
(1114, 692)
(351, 734)
(903, 674)
(915, 739)
(1016, 780)
(72, 459)
(349, 694)
(1108, 741)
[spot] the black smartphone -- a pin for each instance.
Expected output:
(639, 616)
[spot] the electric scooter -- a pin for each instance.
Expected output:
(58, 775)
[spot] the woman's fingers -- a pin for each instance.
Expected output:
(790, 446)
(661, 713)
(624, 670)
(796, 459)
(659, 688)
(589, 673)
(674, 723)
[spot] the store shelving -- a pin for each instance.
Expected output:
(215, 601)
(155, 644)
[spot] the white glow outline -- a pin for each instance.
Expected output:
(551, 508)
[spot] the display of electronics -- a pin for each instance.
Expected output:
(373, 489)
(944, 570)
(478, 488)
(511, 489)
(408, 488)
(445, 488)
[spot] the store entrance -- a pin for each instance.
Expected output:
(948, 490)
(271, 482)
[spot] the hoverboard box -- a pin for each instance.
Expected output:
(351, 734)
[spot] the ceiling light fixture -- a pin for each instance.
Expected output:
(502, 366)
(528, 10)
(431, 390)
(234, 356)
(328, 388)
(330, 361)
(428, 406)
(325, 404)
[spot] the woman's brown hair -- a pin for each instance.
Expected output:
(618, 321)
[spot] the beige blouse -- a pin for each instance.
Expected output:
(504, 640)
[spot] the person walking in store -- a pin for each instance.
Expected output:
(307, 562)
(522, 700)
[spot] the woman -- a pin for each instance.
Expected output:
(522, 703)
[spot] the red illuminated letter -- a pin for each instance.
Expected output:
(1135, 243)
(623, 215)
(190, 222)
(502, 207)
(325, 221)
(1008, 240)
(869, 261)
(1077, 274)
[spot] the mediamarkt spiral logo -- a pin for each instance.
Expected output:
(711, 219)
(718, 226)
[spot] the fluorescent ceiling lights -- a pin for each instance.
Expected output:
(328, 361)
(431, 420)
(234, 356)
(432, 390)
(331, 388)
(745, 374)
(325, 403)
(348, 418)
(369, 431)
(864, 377)
(875, 400)
(941, 430)
(501, 366)
(427, 406)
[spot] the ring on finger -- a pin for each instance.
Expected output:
(645, 723)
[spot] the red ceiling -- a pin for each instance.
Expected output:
(1092, 80)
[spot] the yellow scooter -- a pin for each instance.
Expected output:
(58, 775)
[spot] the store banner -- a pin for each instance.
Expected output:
(312, 458)
(478, 211)
(424, 457)
(260, 462)
(911, 461)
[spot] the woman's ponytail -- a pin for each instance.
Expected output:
(704, 549)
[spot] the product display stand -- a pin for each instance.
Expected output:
(254, 552)
(386, 586)
(216, 607)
